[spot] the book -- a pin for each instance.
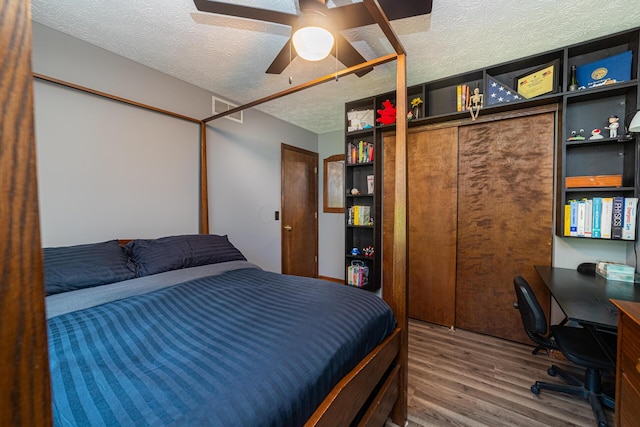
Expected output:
(573, 224)
(567, 219)
(459, 97)
(605, 218)
(596, 214)
(617, 216)
(629, 218)
(581, 218)
(588, 217)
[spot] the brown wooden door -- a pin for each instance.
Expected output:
(299, 221)
(505, 187)
(431, 217)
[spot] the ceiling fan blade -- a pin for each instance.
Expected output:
(349, 16)
(245, 12)
(348, 55)
(398, 9)
(357, 15)
(283, 59)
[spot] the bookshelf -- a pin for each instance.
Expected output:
(362, 198)
(582, 109)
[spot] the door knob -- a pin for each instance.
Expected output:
(287, 227)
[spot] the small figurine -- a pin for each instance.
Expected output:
(355, 251)
(613, 126)
(577, 136)
(595, 134)
(368, 251)
(475, 103)
(355, 191)
(387, 113)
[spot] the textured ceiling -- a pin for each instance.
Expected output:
(228, 56)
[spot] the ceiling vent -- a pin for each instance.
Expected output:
(220, 106)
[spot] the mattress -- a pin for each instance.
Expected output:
(228, 344)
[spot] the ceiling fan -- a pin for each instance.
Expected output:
(339, 18)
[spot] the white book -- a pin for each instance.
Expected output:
(605, 219)
(629, 218)
(581, 217)
(588, 217)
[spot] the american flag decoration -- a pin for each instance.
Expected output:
(500, 94)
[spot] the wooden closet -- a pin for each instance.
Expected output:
(480, 211)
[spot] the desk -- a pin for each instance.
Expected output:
(585, 299)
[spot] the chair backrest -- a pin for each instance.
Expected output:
(533, 317)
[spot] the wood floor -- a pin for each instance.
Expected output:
(460, 378)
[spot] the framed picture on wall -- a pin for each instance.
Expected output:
(333, 196)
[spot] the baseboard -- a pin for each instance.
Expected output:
(331, 279)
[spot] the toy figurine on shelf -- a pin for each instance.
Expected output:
(368, 251)
(387, 113)
(596, 134)
(475, 103)
(577, 136)
(613, 126)
(355, 251)
(355, 191)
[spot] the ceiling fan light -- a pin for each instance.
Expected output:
(313, 43)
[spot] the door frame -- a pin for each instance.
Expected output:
(314, 185)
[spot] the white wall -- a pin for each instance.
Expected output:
(133, 149)
(331, 237)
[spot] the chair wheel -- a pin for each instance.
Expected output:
(551, 372)
(535, 389)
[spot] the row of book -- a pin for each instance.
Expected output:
(463, 95)
(362, 152)
(359, 215)
(357, 274)
(602, 218)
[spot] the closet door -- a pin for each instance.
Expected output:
(505, 204)
(431, 217)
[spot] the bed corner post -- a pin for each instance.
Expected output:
(25, 390)
(399, 293)
(204, 189)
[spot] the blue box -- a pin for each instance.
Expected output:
(614, 69)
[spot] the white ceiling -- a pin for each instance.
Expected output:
(228, 56)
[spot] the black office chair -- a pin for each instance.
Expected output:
(533, 320)
(588, 348)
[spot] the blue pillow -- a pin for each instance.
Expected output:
(153, 256)
(83, 266)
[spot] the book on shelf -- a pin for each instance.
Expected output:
(617, 217)
(573, 221)
(362, 152)
(463, 96)
(358, 274)
(629, 218)
(596, 215)
(359, 215)
(588, 218)
(581, 218)
(605, 217)
(602, 218)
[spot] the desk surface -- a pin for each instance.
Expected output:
(584, 298)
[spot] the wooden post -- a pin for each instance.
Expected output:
(25, 396)
(399, 292)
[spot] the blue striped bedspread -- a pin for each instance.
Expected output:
(243, 348)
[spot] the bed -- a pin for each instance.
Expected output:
(183, 330)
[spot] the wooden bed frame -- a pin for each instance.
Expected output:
(376, 388)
